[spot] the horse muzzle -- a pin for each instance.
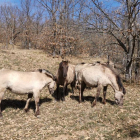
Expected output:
(119, 103)
(64, 76)
(51, 92)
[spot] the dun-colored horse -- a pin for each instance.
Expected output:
(100, 76)
(65, 76)
(30, 83)
(78, 67)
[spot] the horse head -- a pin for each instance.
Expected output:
(51, 87)
(119, 97)
(51, 84)
(64, 68)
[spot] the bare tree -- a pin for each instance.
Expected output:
(9, 19)
(126, 35)
(27, 14)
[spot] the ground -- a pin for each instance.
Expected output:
(67, 120)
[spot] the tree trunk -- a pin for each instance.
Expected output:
(131, 46)
(137, 64)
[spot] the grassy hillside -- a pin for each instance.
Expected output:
(65, 120)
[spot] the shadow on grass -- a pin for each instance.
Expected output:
(132, 131)
(13, 103)
(91, 99)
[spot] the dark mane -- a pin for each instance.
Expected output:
(48, 73)
(118, 78)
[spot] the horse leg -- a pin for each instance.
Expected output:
(82, 87)
(104, 94)
(57, 92)
(37, 96)
(72, 88)
(1, 95)
(64, 91)
(97, 95)
(30, 95)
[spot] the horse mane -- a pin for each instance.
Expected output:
(48, 73)
(118, 78)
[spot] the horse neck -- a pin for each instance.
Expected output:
(113, 80)
(47, 80)
(60, 73)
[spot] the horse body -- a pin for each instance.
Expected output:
(22, 82)
(65, 76)
(80, 66)
(93, 76)
(100, 75)
(30, 83)
(69, 78)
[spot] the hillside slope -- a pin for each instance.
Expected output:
(65, 120)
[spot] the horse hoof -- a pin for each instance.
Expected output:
(63, 99)
(57, 99)
(93, 104)
(26, 110)
(37, 113)
(104, 102)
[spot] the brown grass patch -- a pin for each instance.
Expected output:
(69, 119)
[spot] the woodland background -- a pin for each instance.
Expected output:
(96, 28)
(38, 34)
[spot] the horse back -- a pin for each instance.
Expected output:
(18, 78)
(94, 75)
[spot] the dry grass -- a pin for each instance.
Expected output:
(65, 120)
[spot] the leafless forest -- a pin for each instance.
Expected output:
(96, 28)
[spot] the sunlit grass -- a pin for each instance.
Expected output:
(69, 119)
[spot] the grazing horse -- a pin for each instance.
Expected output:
(101, 75)
(65, 76)
(78, 67)
(30, 83)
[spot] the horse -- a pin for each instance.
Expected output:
(30, 83)
(65, 76)
(78, 67)
(100, 76)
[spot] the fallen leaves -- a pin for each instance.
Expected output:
(69, 119)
